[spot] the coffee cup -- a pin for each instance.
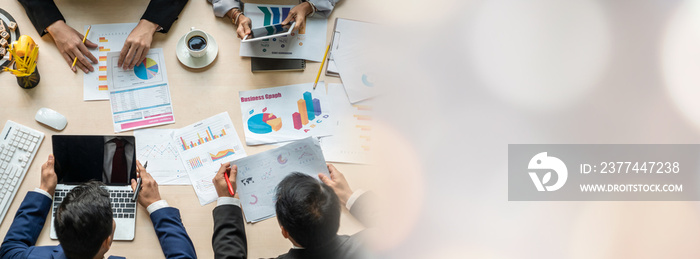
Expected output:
(196, 42)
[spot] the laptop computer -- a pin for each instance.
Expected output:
(82, 158)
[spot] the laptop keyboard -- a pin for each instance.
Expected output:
(122, 206)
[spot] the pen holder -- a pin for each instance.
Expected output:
(30, 81)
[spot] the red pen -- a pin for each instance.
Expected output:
(228, 182)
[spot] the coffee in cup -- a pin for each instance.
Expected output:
(196, 42)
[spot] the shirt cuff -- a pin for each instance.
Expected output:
(156, 206)
(228, 201)
(221, 7)
(45, 193)
(355, 195)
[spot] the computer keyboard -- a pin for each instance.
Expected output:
(122, 206)
(18, 145)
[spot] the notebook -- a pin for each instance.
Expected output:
(276, 64)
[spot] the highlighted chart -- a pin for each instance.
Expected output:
(264, 123)
(195, 163)
(147, 69)
(309, 108)
(222, 154)
(187, 144)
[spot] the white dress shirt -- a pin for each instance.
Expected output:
(110, 148)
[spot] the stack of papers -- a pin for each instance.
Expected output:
(346, 59)
(190, 155)
(259, 175)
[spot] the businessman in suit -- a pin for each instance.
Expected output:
(232, 10)
(308, 212)
(158, 17)
(84, 222)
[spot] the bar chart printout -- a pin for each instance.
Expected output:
(109, 38)
(203, 146)
(286, 113)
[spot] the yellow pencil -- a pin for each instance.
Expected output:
(84, 38)
(322, 63)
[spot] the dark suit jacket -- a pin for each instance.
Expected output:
(229, 240)
(29, 220)
(43, 13)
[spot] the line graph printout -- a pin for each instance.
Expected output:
(139, 97)
(164, 162)
(109, 38)
(203, 147)
(259, 174)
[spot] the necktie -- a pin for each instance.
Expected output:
(119, 163)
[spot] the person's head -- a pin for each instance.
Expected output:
(307, 210)
(84, 223)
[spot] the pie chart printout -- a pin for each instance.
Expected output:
(147, 69)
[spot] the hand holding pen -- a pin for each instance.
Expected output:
(138, 182)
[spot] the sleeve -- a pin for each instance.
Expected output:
(365, 208)
(324, 7)
(172, 234)
(221, 7)
(164, 12)
(26, 226)
(42, 13)
(229, 240)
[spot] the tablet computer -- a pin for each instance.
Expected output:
(267, 32)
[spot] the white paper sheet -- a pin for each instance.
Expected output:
(259, 174)
(286, 113)
(352, 59)
(109, 38)
(308, 43)
(164, 163)
(204, 146)
(139, 97)
(352, 140)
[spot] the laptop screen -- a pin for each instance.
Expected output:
(109, 159)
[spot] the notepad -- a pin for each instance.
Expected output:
(276, 64)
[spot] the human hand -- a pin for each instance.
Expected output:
(338, 183)
(243, 26)
(69, 43)
(149, 187)
(220, 180)
(48, 176)
(298, 15)
(137, 44)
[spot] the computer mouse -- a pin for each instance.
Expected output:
(51, 118)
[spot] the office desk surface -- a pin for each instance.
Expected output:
(196, 94)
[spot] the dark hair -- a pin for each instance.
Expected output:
(84, 220)
(308, 209)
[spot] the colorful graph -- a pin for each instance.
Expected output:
(199, 141)
(195, 163)
(309, 108)
(221, 154)
(274, 15)
(366, 81)
(282, 159)
(147, 69)
(264, 123)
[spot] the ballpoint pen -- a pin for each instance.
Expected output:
(138, 184)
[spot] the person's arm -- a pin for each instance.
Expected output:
(229, 240)
(324, 7)
(167, 223)
(30, 217)
(163, 12)
(361, 204)
(223, 7)
(42, 13)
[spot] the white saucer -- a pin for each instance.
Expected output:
(188, 60)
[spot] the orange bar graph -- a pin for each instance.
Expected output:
(102, 49)
(363, 117)
(301, 104)
(103, 58)
(362, 127)
(103, 88)
(103, 68)
(365, 137)
(363, 107)
(103, 78)
(103, 39)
